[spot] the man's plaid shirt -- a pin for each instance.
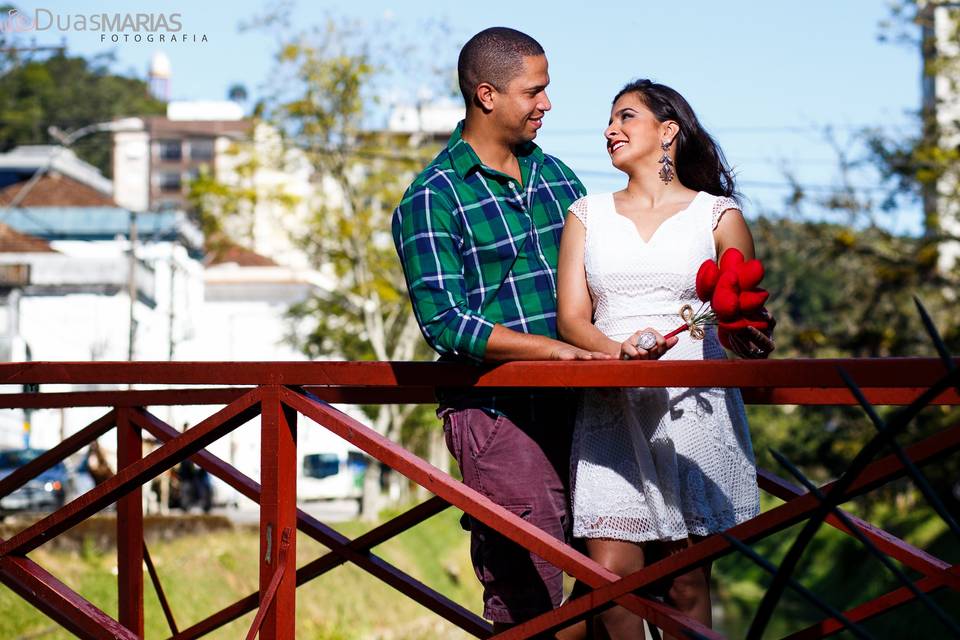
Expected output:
(479, 249)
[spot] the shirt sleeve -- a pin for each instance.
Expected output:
(429, 237)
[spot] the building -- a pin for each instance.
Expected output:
(155, 158)
(67, 273)
(65, 283)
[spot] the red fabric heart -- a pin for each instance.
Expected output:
(724, 336)
(726, 297)
(742, 323)
(730, 259)
(750, 273)
(707, 277)
(753, 300)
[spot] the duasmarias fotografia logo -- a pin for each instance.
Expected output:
(113, 27)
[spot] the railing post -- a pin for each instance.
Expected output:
(129, 530)
(278, 512)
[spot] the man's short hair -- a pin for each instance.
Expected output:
(494, 55)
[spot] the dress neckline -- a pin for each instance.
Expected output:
(613, 207)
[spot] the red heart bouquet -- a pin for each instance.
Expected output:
(735, 301)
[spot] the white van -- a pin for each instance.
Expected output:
(331, 474)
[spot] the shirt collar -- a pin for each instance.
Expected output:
(465, 159)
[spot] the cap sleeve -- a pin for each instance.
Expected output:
(720, 206)
(579, 209)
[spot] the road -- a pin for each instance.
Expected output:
(324, 510)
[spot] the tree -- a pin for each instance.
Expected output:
(368, 315)
(230, 205)
(925, 167)
(328, 90)
(67, 92)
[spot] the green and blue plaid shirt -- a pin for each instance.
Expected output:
(478, 249)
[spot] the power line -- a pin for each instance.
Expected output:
(755, 184)
(759, 129)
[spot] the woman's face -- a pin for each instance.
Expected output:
(634, 134)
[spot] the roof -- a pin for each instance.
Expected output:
(12, 241)
(158, 127)
(55, 190)
(100, 223)
(25, 160)
(228, 252)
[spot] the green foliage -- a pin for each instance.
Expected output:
(227, 208)
(68, 92)
(325, 114)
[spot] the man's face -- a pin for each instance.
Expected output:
(520, 107)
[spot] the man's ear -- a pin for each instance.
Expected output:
(484, 96)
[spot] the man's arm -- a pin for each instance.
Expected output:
(428, 237)
(507, 344)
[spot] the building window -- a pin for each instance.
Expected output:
(169, 150)
(169, 181)
(201, 149)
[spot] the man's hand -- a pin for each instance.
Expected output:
(753, 344)
(569, 352)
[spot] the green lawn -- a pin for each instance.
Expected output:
(204, 572)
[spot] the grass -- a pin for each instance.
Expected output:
(202, 573)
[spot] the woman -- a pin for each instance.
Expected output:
(662, 466)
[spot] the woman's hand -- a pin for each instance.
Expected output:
(633, 347)
(753, 344)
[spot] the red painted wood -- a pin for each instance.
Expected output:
(482, 508)
(129, 529)
(355, 394)
(217, 425)
(886, 542)
(158, 589)
(794, 373)
(138, 398)
(64, 606)
(711, 548)
(266, 600)
(66, 448)
(764, 382)
(356, 551)
(278, 513)
(879, 605)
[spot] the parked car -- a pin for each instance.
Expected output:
(47, 491)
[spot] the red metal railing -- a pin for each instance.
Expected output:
(280, 392)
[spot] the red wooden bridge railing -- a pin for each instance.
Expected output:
(281, 392)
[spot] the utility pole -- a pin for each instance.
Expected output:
(132, 286)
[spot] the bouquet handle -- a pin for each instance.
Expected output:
(689, 324)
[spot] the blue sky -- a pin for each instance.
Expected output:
(764, 77)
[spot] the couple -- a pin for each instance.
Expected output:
(479, 237)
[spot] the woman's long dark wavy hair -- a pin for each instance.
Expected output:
(699, 161)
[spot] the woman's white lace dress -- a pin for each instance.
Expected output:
(656, 463)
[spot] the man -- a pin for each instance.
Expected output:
(478, 233)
